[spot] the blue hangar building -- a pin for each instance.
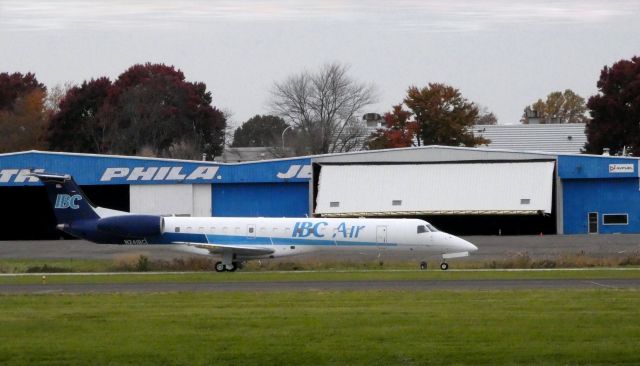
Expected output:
(462, 190)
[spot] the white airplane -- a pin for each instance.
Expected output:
(238, 239)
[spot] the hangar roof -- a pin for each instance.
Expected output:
(431, 153)
(556, 138)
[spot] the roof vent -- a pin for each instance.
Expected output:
(605, 151)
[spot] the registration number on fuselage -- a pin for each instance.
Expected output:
(135, 242)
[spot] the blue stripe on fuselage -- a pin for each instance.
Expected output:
(168, 238)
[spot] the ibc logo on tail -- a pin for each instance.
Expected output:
(67, 201)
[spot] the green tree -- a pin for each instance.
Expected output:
(259, 131)
(615, 110)
(559, 107)
(443, 115)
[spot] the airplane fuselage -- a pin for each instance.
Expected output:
(291, 236)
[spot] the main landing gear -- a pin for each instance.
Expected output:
(443, 266)
(221, 267)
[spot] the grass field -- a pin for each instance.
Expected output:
(541, 327)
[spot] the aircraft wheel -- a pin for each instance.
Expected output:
(444, 266)
(231, 267)
(423, 265)
(219, 267)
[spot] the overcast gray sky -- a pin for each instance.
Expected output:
(502, 54)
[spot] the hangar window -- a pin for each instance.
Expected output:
(615, 219)
(334, 204)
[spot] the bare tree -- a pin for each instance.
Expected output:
(323, 106)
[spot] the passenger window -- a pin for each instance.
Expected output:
(177, 229)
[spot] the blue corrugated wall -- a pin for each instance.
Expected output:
(261, 199)
(590, 185)
(604, 196)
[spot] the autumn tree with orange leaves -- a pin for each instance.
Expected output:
(23, 116)
(438, 115)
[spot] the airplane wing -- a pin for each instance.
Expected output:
(243, 250)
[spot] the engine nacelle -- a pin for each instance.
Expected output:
(132, 226)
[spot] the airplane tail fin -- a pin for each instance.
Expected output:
(67, 199)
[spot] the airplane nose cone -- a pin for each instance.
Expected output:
(472, 248)
(466, 246)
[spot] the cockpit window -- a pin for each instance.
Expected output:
(431, 227)
(422, 229)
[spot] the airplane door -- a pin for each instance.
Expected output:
(251, 231)
(381, 236)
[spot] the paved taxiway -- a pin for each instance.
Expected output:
(421, 285)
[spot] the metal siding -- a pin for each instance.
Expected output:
(445, 188)
(202, 200)
(263, 199)
(605, 196)
(89, 169)
(174, 199)
(594, 167)
(553, 137)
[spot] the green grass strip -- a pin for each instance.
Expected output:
(322, 276)
(538, 327)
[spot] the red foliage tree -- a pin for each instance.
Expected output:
(400, 131)
(75, 127)
(615, 110)
(149, 109)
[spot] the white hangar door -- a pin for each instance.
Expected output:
(435, 189)
(171, 199)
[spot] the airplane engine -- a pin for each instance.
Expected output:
(132, 226)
